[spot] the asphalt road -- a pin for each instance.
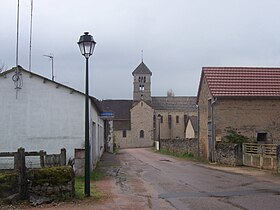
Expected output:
(164, 182)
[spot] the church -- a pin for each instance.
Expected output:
(146, 118)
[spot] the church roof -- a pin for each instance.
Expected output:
(174, 103)
(142, 69)
(120, 108)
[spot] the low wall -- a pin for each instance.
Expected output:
(229, 154)
(55, 183)
(8, 183)
(189, 146)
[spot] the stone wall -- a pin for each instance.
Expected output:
(229, 154)
(141, 119)
(8, 183)
(173, 129)
(56, 183)
(189, 146)
(249, 117)
(203, 96)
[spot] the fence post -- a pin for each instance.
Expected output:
(63, 157)
(42, 158)
(22, 173)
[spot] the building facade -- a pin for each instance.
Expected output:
(141, 121)
(46, 115)
(242, 98)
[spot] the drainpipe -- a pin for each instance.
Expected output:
(213, 131)
(198, 130)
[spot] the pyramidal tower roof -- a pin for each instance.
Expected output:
(142, 69)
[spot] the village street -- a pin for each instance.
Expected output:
(147, 180)
(140, 179)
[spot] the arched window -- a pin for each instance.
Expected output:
(141, 134)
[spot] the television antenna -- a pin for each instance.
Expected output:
(30, 36)
(51, 58)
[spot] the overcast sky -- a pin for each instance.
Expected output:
(178, 38)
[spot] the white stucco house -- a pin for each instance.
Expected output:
(46, 115)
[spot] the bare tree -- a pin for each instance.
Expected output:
(170, 93)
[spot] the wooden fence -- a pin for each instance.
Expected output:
(46, 160)
(21, 169)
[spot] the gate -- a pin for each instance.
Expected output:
(264, 156)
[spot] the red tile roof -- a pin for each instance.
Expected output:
(243, 81)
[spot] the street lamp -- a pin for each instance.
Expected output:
(159, 121)
(86, 45)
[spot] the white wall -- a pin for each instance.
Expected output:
(96, 136)
(44, 116)
(190, 130)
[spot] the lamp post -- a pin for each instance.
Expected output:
(159, 121)
(86, 45)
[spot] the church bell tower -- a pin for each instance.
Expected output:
(142, 83)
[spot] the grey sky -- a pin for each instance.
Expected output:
(178, 37)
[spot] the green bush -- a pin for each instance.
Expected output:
(8, 184)
(233, 136)
(53, 175)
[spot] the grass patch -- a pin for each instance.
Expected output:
(96, 194)
(177, 154)
(182, 155)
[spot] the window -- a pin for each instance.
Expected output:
(161, 119)
(124, 134)
(144, 79)
(177, 119)
(169, 120)
(141, 134)
(141, 87)
(261, 136)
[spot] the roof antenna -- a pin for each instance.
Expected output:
(142, 55)
(17, 77)
(30, 33)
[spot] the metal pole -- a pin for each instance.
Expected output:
(158, 128)
(87, 146)
(17, 36)
(52, 69)
(30, 38)
(159, 121)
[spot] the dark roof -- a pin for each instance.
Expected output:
(174, 103)
(120, 108)
(142, 69)
(194, 122)
(242, 81)
(121, 124)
